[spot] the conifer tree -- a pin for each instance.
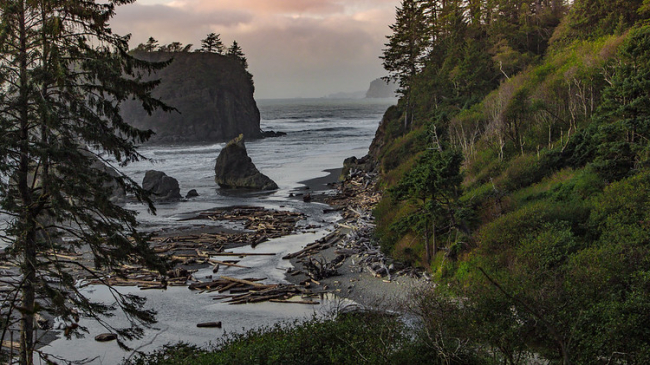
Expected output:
(236, 52)
(403, 57)
(212, 44)
(151, 45)
(63, 77)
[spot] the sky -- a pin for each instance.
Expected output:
(295, 48)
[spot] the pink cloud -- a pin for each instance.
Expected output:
(324, 45)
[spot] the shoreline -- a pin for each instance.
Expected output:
(353, 280)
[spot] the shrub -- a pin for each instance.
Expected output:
(355, 338)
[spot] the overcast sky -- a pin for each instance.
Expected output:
(295, 48)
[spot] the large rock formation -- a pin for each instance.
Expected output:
(162, 187)
(118, 195)
(213, 94)
(234, 169)
(380, 89)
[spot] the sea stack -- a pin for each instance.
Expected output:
(162, 187)
(235, 170)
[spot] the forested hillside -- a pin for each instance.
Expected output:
(516, 169)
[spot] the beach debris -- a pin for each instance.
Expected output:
(189, 252)
(250, 290)
(106, 337)
(352, 238)
(209, 325)
(318, 269)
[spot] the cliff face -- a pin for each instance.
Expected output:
(380, 89)
(213, 94)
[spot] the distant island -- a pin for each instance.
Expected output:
(380, 89)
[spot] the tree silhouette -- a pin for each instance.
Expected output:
(63, 78)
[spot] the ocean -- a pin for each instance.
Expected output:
(321, 133)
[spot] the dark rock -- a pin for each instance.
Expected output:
(192, 194)
(306, 198)
(105, 337)
(162, 187)
(352, 165)
(272, 134)
(212, 93)
(234, 169)
(118, 195)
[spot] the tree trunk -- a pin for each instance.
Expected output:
(433, 238)
(27, 319)
(427, 248)
(28, 222)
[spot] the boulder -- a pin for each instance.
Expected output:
(234, 169)
(118, 195)
(162, 187)
(352, 165)
(191, 194)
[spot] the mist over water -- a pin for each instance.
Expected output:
(321, 133)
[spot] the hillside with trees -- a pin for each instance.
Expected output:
(515, 170)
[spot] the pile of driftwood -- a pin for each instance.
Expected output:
(356, 198)
(326, 242)
(243, 291)
(265, 223)
(193, 250)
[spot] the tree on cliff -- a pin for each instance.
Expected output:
(236, 52)
(212, 44)
(63, 78)
(432, 187)
(151, 45)
(173, 47)
(403, 56)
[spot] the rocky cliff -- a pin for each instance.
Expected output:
(213, 95)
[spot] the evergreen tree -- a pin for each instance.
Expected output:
(236, 52)
(406, 47)
(151, 45)
(624, 122)
(212, 44)
(404, 55)
(63, 78)
(433, 187)
(174, 47)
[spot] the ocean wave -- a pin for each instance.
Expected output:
(188, 150)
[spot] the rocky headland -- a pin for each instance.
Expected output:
(212, 93)
(380, 89)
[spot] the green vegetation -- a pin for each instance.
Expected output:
(356, 338)
(516, 170)
(548, 250)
